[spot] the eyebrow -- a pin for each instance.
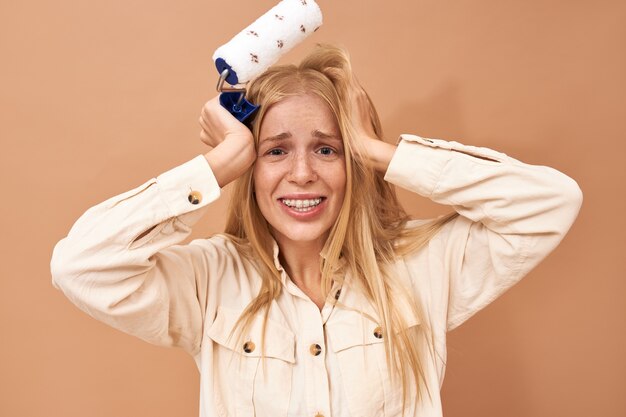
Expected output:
(286, 135)
(321, 135)
(277, 138)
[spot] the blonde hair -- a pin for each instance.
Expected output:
(370, 232)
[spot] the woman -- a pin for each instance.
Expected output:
(322, 298)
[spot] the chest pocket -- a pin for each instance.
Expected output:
(245, 383)
(359, 345)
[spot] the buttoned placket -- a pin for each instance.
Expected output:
(311, 342)
(311, 347)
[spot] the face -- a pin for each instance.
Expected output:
(299, 174)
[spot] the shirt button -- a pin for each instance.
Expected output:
(195, 197)
(315, 349)
(248, 347)
(378, 333)
(337, 294)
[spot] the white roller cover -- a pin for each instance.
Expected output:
(262, 43)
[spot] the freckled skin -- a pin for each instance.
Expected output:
(301, 163)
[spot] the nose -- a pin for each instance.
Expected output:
(301, 171)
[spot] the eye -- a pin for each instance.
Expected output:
(326, 150)
(275, 152)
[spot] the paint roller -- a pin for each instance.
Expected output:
(260, 45)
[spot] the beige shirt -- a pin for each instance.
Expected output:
(512, 216)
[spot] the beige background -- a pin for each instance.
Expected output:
(98, 97)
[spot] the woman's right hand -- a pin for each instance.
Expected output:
(232, 142)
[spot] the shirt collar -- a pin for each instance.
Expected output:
(277, 264)
(283, 275)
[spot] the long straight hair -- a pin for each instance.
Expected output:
(370, 232)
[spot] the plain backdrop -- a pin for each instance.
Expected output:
(98, 97)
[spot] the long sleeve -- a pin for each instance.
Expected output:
(149, 287)
(512, 215)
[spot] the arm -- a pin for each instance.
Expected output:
(512, 215)
(121, 262)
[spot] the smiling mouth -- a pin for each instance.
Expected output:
(302, 205)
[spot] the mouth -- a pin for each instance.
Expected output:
(302, 205)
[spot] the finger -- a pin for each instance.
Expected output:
(203, 123)
(209, 107)
(206, 127)
(205, 138)
(205, 111)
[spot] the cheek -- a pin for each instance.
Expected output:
(265, 181)
(338, 180)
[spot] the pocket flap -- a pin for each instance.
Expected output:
(280, 342)
(351, 328)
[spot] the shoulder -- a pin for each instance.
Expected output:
(223, 247)
(231, 274)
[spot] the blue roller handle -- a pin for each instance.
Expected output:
(242, 110)
(232, 101)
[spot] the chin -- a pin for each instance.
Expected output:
(301, 234)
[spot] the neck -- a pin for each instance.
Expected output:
(301, 261)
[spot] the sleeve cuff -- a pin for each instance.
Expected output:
(189, 186)
(417, 164)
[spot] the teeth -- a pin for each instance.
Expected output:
(302, 203)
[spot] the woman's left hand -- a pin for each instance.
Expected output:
(374, 150)
(361, 111)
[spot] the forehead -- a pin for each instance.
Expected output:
(298, 114)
